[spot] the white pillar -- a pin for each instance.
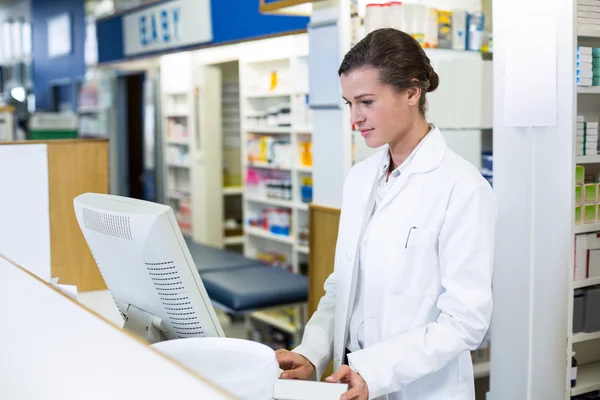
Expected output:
(332, 147)
(533, 181)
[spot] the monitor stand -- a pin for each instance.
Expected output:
(144, 324)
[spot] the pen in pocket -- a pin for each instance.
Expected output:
(408, 236)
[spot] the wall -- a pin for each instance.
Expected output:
(45, 69)
(232, 20)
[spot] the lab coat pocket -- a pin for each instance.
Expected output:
(417, 272)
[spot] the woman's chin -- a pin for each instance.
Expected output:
(373, 142)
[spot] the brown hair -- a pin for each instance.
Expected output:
(400, 59)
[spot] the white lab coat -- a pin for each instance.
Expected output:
(428, 295)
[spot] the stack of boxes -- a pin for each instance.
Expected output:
(586, 198)
(585, 66)
(587, 137)
(588, 15)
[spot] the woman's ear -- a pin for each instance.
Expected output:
(414, 94)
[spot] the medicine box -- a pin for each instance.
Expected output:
(589, 213)
(591, 315)
(578, 194)
(579, 174)
(578, 210)
(578, 310)
(593, 268)
(585, 244)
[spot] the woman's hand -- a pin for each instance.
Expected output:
(294, 365)
(358, 387)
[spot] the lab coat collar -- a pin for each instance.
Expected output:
(427, 156)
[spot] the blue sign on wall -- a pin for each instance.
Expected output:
(167, 25)
(232, 20)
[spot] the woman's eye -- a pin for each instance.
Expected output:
(349, 104)
(367, 102)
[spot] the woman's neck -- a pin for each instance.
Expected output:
(401, 149)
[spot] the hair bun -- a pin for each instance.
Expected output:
(433, 78)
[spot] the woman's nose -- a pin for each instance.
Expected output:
(356, 117)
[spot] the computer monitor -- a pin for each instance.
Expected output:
(147, 267)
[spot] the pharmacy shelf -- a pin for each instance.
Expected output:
(585, 337)
(262, 233)
(177, 115)
(302, 249)
(178, 195)
(279, 323)
(587, 228)
(179, 142)
(92, 109)
(265, 165)
(272, 130)
(588, 379)
(267, 95)
(588, 159)
(303, 130)
(179, 165)
(271, 202)
(233, 240)
(481, 370)
(302, 168)
(232, 190)
(302, 206)
(588, 33)
(586, 283)
(588, 89)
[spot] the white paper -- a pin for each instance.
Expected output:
(69, 290)
(59, 35)
(530, 72)
(24, 207)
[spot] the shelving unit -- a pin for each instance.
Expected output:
(588, 379)
(585, 345)
(274, 95)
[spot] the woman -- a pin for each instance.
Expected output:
(410, 295)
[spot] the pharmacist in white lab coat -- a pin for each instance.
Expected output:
(410, 295)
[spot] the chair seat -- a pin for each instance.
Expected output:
(255, 287)
(209, 258)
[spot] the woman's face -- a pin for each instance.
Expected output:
(381, 113)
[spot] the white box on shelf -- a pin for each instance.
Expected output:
(585, 58)
(580, 125)
(588, 2)
(584, 81)
(584, 50)
(585, 74)
(594, 264)
(580, 118)
(592, 9)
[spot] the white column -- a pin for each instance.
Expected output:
(332, 147)
(533, 181)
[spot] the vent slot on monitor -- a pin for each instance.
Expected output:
(172, 294)
(113, 225)
(106, 283)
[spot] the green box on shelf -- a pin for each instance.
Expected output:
(48, 126)
(577, 215)
(589, 213)
(579, 174)
(50, 135)
(590, 193)
(578, 194)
